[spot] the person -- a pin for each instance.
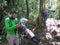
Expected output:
(23, 22)
(44, 13)
(11, 24)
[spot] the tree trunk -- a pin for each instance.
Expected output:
(40, 30)
(40, 14)
(59, 10)
(27, 9)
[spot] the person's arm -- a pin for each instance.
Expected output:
(16, 20)
(7, 25)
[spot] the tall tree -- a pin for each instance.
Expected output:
(27, 8)
(59, 10)
(40, 17)
(40, 23)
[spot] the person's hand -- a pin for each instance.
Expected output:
(17, 25)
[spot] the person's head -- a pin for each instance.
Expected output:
(14, 13)
(23, 20)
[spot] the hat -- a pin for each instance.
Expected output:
(14, 11)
